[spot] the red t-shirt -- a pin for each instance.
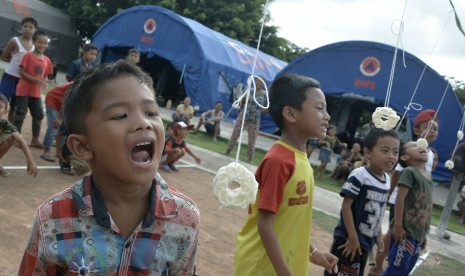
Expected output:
(37, 68)
(54, 97)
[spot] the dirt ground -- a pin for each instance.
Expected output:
(21, 194)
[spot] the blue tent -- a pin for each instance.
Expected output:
(209, 63)
(356, 73)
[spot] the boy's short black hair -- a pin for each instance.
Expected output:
(80, 97)
(133, 50)
(89, 46)
(4, 99)
(29, 20)
(217, 102)
(288, 90)
(372, 137)
(37, 34)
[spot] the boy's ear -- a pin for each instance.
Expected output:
(289, 114)
(77, 144)
(416, 131)
(366, 152)
(404, 157)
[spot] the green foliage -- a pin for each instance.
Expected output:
(459, 87)
(239, 19)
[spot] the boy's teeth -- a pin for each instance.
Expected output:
(142, 144)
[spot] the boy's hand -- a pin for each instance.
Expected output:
(56, 123)
(350, 248)
(32, 168)
(198, 160)
(326, 260)
(399, 234)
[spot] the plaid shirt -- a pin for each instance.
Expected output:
(73, 234)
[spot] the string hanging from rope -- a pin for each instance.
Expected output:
(235, 173)
(411, 104)
(449, 163)
(384, 117)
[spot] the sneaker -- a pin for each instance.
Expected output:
(66, 168)
(173, 167)
(166, 168)
(446, 236)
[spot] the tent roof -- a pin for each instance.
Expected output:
(363, 68)
(49, 17)
(181, 40)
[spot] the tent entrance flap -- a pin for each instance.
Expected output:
(166, 79)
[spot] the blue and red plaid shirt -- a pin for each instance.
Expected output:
(73, 234)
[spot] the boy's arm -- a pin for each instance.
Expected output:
(24, 75)
(270, 242)
(352, 245)
(324, 259)
(31, 165)
(31, 264)
(398, 231)
(394, 179)
(9, 48)
(72, 71)
(197, 159)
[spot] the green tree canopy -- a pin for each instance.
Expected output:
(238, 19)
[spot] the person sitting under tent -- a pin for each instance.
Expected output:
(184, 112)
(211, 119)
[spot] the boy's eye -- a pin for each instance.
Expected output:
(119, 117)
(151, 113)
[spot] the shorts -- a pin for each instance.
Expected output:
(211, 128)
(313, 142)
(8, 85)
(345, 266)
(4, 136)
(325, 155)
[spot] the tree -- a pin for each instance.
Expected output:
(459, 87)
(239, 20)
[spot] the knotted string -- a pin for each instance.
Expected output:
(414, 105)
(251, 80)
(394, 60)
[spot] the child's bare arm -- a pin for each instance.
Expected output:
(394, 179)
(31, 165)
(197, 159)
(352, 245)
(270, 242)
(398, 231)
(324, 259)
(10, 47)
(24, 75)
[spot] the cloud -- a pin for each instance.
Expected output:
(313, 24)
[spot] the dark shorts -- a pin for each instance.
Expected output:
(211, 128)
(345, 266)
(8, 85)
(325, 154)
(313, 142)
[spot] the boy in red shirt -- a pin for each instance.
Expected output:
(53, 103)
(34, 69)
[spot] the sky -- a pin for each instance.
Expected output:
(430, 32)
